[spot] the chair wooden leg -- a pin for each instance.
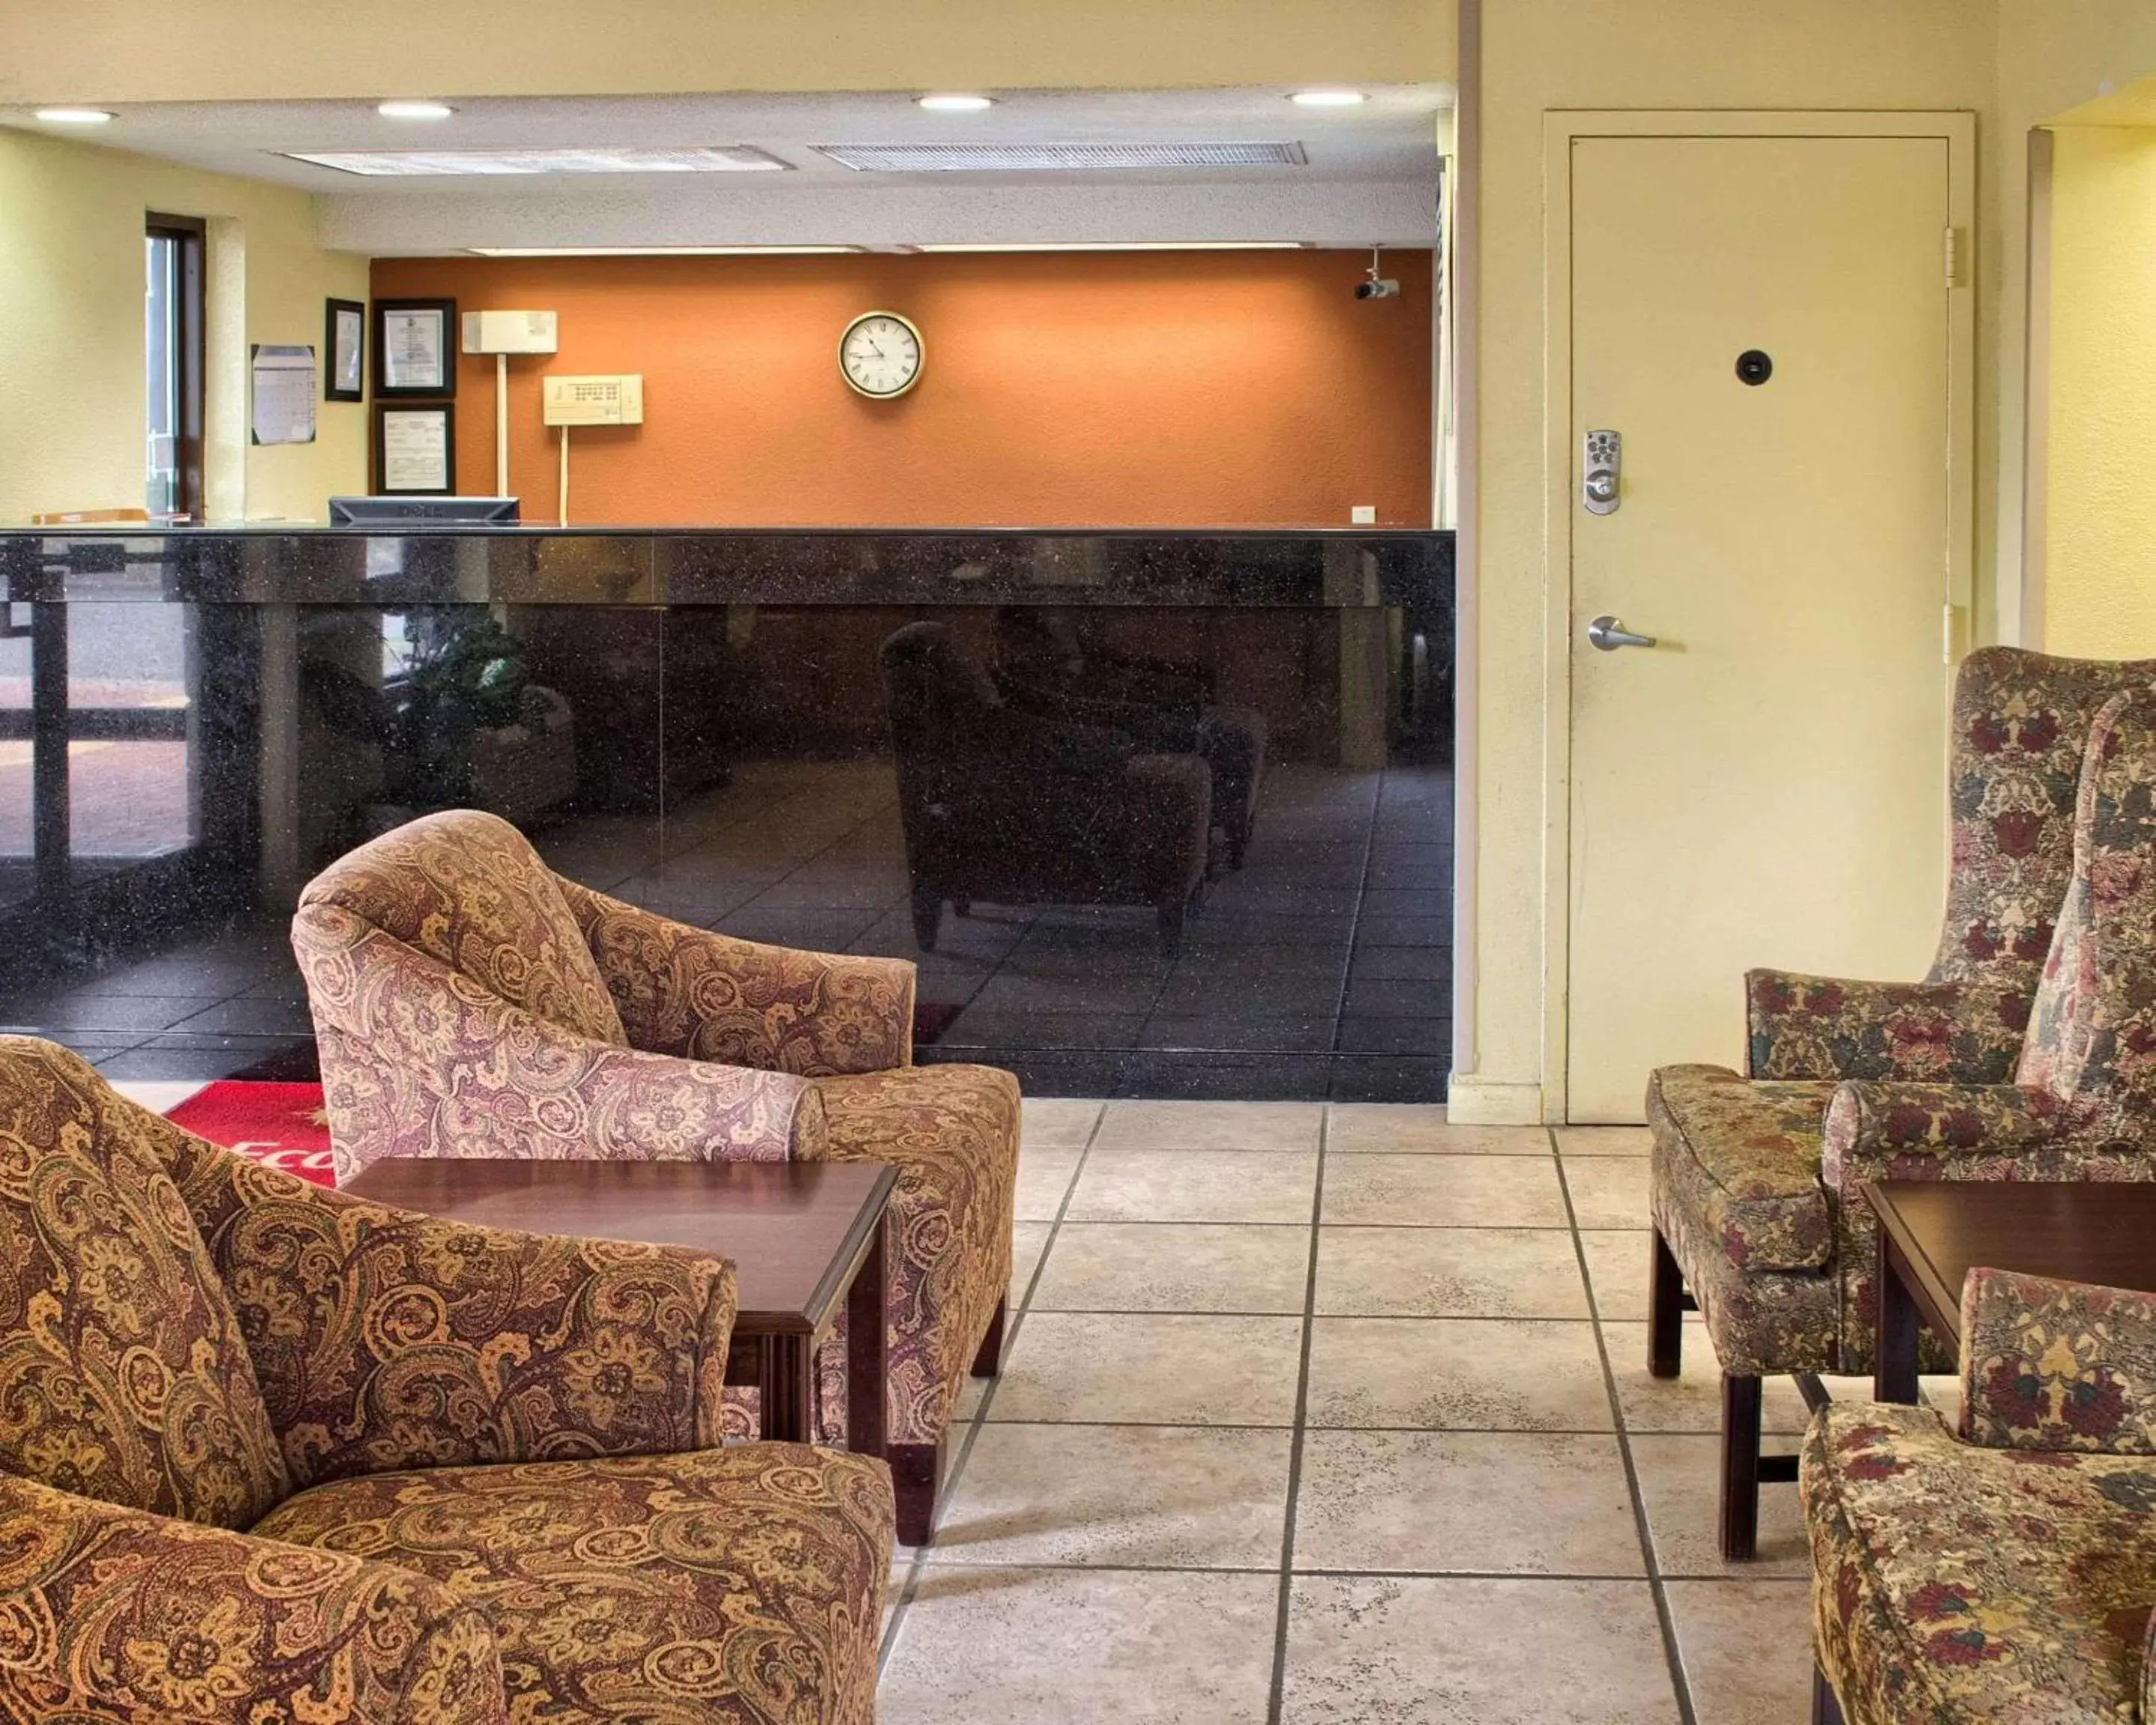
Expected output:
(927, 913)
(916, 1477)
(1740, 1468)
(1665, 1310)
(1826, 1705)
(989, 1360)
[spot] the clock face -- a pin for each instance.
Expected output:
(880, 354)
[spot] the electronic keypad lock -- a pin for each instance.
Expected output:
(1601, 463)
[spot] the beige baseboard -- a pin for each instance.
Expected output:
(1475, 1100)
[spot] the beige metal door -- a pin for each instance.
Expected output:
(1764, 784)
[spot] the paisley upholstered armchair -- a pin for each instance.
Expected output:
(470, 1002)
(273, 1454)
(1754, 1180)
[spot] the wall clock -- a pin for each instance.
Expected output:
(880, 355)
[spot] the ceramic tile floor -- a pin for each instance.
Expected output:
(1337, 1416)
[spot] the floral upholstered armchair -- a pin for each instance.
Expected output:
(2003, 1575)
(274, 1455)
(470, 1002)
(2020, 719)
(1753, 1190)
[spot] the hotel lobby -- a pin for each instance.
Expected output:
(1247, 863)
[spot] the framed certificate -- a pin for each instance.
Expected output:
(415, 449)
(344, 340)
(415, 347)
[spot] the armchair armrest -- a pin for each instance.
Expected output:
(383, 1339)
(703, 996)
(143, 1619)
(2057, 1365)
(1826, 1028)
(1877, 1131)
(417, 1060)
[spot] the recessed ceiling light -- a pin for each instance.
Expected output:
(657, 251)
(1123, 245)
(73, 116)
(1328, 98)
(955, 104)
(723, 158)
(414, 110)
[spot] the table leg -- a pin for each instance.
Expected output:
(1894, 1377)
(868, 1335)
(787, 1393)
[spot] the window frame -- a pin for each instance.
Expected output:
(188, 337)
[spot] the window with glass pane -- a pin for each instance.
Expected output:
(172, 346)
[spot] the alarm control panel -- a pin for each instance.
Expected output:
(595, 401)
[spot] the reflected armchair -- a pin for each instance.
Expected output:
(1019, 809)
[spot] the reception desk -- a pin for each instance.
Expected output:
(701, 721)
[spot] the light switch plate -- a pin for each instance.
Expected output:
(1362, 514)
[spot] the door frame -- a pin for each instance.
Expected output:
(1560, 128)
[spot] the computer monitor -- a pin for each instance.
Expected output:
(424, 512)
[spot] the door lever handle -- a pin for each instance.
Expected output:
(1609, 633)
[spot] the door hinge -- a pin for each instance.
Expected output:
(1952, 253)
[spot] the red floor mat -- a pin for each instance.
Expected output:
(281, 1125)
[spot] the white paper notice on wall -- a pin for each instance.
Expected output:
(285, 385)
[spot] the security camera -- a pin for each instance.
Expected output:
(1375, 286)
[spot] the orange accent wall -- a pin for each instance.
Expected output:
(1209, 389)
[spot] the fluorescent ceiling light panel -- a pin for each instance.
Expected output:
(1328, 98)
(405, 109)
(1126, 245)
(1063, 158)
(657, 251)
(723, 158)
(75, 116)
(955, 104)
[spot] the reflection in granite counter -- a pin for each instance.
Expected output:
(731, 765)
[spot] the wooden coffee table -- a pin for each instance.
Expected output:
(1932, 1233)
(803, 1237)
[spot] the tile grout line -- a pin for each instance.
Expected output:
(946, 1488)
(1671, 1654)
(1276, 1695)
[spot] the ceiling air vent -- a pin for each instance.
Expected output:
(1065, 158)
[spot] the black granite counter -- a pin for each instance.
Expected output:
(1194, 838)
(1354, 569)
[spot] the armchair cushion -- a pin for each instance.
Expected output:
(417, 1060)
(125, 1618)
(123, 1375)
(468, 891)
(1826, 1028)
(709, 997)
(2057, 1365)
(1968, 1586)
(734, 1585)
(1740, 1158)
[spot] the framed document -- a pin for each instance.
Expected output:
(415, 449)
(415, 347)
(344, 339)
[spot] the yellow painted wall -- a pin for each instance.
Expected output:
(71, 331)
(194, 50)
(2100, 527)
(2054, 60)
